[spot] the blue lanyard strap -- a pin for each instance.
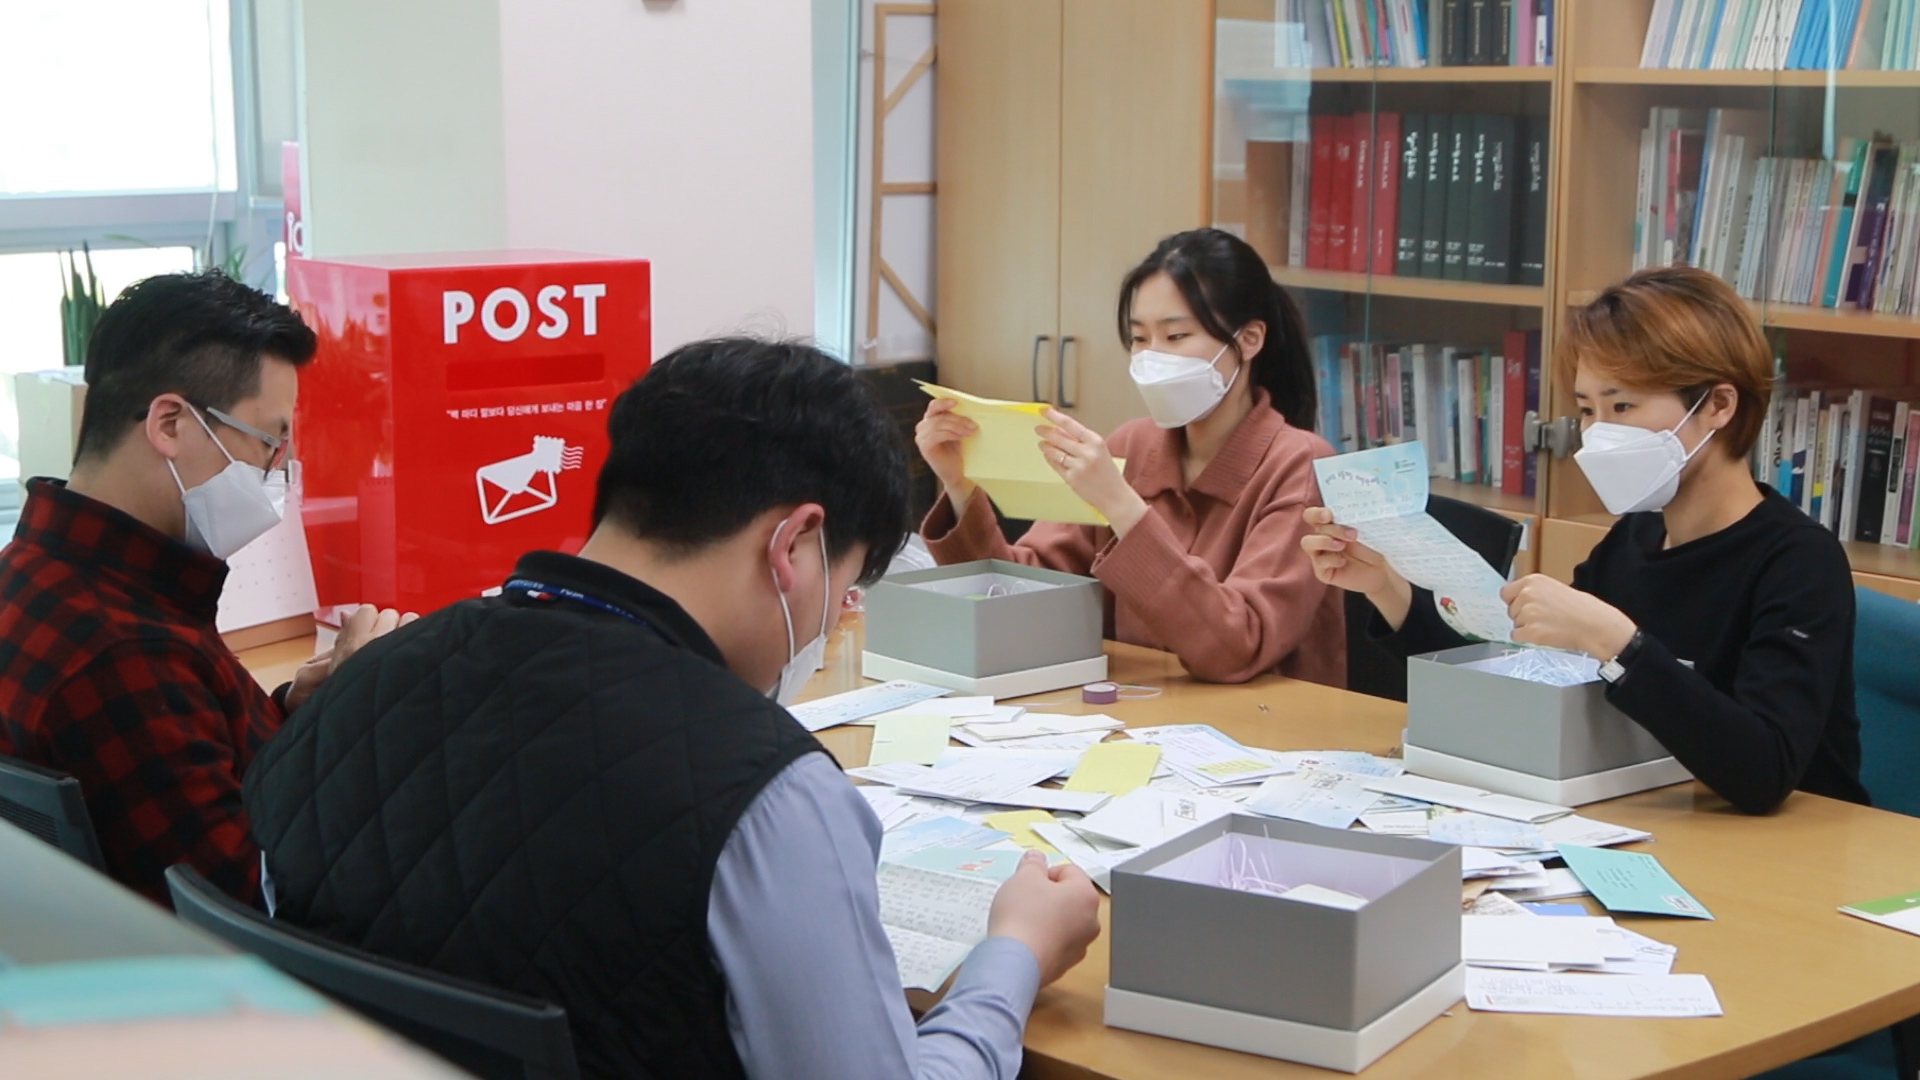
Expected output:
(543, 593)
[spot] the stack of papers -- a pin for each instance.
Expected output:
(1203, 756)
(1463, 797)
(859, 704)
(1037, 725)
(1539, 944)
(1332, 799)
(1591, 995)
(1148, 817)
(1357, 762)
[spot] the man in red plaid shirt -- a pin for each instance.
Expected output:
(110, 667)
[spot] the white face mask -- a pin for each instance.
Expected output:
(234, 507)
(802, 662)
(1179, 389)
(1633, 469)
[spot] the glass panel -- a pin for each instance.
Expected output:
(115, 95)
(30, 317)
(1379, 169)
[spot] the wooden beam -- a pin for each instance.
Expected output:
(920, 67)
(906, 297)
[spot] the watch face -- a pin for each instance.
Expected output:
(1612, 670)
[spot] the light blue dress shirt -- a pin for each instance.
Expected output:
(812, 990)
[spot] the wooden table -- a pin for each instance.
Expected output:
(1794, 975)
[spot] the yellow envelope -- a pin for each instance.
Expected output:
(906, 737)
(1004, 459)
(1018, 825)
(1115, 768)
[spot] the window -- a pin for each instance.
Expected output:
(151, 109)
(156, 152)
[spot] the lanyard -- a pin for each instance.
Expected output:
(534, 590)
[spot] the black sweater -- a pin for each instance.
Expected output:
(1762, 613)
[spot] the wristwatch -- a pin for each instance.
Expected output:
(1616, 669)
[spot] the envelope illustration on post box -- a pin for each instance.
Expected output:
(527, 484)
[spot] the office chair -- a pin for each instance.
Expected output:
(491, 1033)
(48, 804)
(1373, 669)
(1886, 638)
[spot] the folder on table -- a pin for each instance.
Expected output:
(1004, 459)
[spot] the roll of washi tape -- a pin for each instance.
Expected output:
(1100, 693)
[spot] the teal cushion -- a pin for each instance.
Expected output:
(1886, 674)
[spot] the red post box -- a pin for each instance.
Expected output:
(456, 415)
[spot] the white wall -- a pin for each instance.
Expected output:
(676, 130)
(400, 121)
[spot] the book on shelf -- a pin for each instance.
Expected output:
(1530, 246)
(1360, 209)
(1433, 200)
(1838, 234)
(1413, 195)
(1847, 457)
(1782, 35)
(1414, 132)
(1385, 194)
(1362, 33)
(1466, 405)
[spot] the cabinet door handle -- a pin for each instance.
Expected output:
(1060, 372)
(1034, 368)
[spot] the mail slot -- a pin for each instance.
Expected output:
(455, 417)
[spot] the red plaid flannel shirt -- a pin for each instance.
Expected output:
(111, 670)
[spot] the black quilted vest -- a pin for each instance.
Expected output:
(532, 795)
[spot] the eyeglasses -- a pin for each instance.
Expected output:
(276, 446)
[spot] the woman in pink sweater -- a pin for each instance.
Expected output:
(1203, 555)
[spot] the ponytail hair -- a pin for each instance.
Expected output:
(1227, 285)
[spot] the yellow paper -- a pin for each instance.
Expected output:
(1004, 459)
(1115, 768)
(907, 737)
(1018, 825)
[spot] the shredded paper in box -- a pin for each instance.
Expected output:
(1548, 667)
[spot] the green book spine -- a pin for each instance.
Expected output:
(1496, 228)
(1433, 202)
(1469, 159)
(1413, 189)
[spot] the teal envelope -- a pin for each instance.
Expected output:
(1631, 881)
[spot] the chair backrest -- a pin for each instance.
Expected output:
(48, 804)
(1886, 640)
(491, 1033)
(1372, 669)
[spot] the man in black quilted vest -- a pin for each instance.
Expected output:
(585, 790)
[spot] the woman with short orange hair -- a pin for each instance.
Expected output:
(1723, 616)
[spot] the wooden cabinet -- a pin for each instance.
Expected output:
(1071, 136)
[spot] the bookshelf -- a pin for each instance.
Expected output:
(1596, 100)
(1793, 117)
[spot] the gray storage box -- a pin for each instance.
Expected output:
(1557, 744)
(987, 627)
(1286, 978)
